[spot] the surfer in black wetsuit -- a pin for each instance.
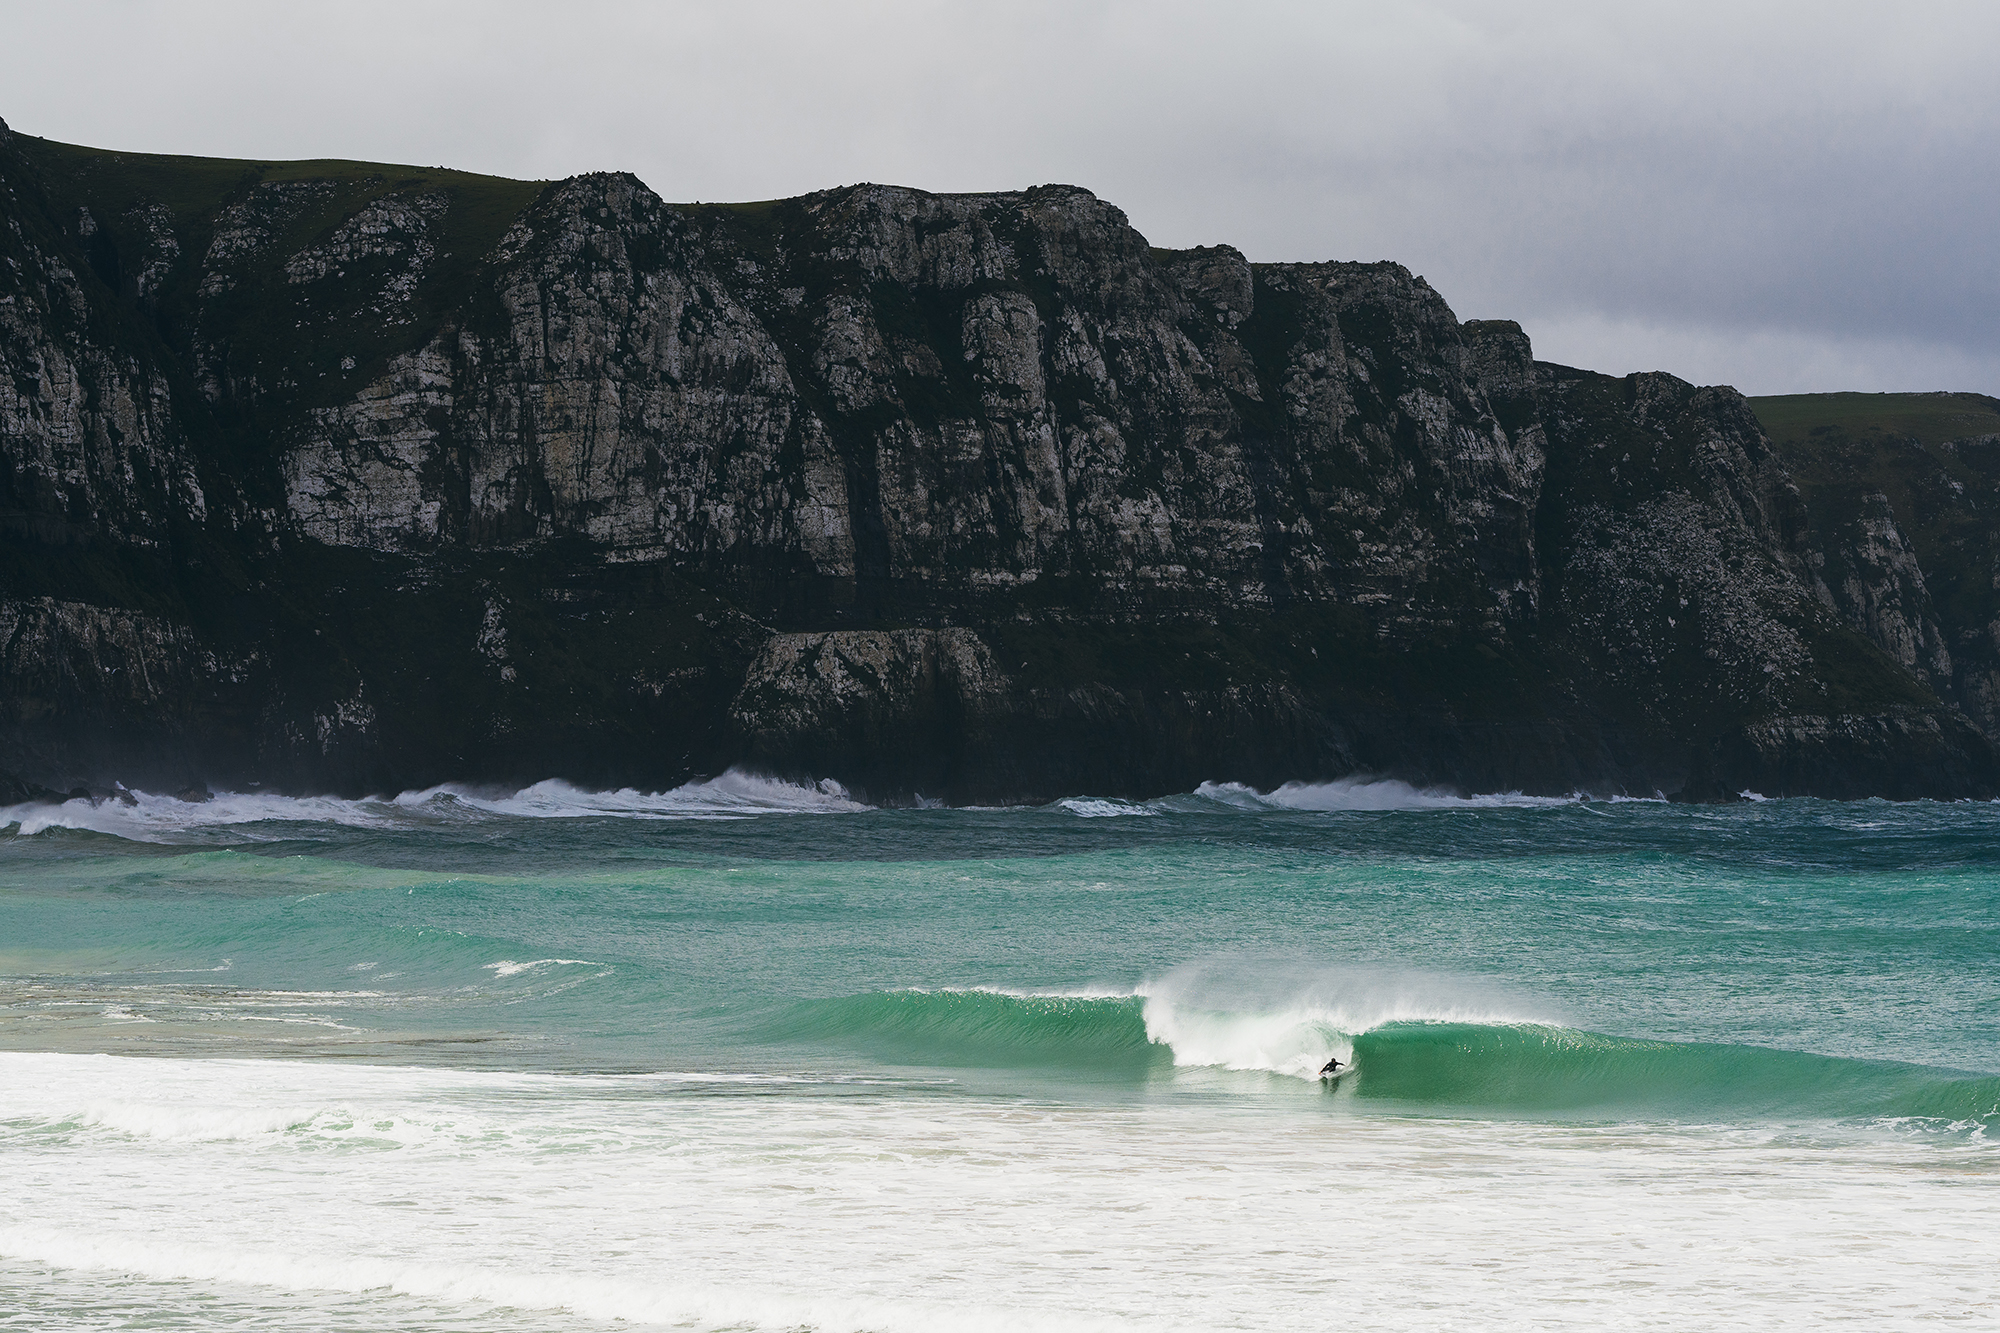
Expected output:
(1331, 1068)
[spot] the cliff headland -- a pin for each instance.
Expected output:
(352, 477)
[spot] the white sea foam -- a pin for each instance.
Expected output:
(734, 794)
(1094, 807)
(761, 1211)
(146, 816)
(190, 1124)
(1356, 793)
(682, 1305)
(150, 817)
(507, 967)
(1248, 1017)
(1363, 794)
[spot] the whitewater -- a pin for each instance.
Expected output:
(754, 1055)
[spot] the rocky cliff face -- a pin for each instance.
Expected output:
(332, 475)
(1903, 513)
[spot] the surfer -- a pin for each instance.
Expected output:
(1330, 1068)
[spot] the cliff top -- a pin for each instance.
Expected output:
(1928, 418)
(193, 187)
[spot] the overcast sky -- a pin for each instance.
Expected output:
(1785, 197)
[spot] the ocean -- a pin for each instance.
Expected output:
(754, 1056)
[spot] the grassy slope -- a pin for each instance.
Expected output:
(1929, 418)
(194, 189)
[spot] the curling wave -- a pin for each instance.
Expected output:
(1438, 1063)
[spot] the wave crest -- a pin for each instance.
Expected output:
(1446, 1059)
(148, 817)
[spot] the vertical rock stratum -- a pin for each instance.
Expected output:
(341, 476)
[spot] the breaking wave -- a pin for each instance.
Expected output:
(1357, 794)
(151, 817)
(146, 817)
(1448, 1058)
(1364, 794)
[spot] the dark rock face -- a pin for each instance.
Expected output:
(1903, 529)
(336, 476)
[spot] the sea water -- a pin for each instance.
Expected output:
(755, 1056)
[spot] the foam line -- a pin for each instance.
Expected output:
(507, 967)
(587, 1295)
(1363, 794)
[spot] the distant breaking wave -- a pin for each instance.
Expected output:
(1443, 1062)
(1342, 794)
(149, 817)
(145, 816)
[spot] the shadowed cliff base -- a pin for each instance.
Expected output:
(361, 478)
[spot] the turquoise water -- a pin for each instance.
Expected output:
(1591, 1016)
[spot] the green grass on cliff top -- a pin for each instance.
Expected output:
(1928, 418)
(325, 340)
(192, 187)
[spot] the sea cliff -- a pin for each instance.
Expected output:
(352, 477)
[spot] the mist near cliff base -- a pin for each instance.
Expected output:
(1787, 197)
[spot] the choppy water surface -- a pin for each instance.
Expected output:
(754, 1056)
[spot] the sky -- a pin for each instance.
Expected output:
(1784, 197)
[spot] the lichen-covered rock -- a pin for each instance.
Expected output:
(1879, 585)
(811, 699)
(89, 441)
(1904, 535)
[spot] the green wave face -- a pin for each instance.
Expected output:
(1468, 1067)
(1534, 1068)
(978, 1028)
